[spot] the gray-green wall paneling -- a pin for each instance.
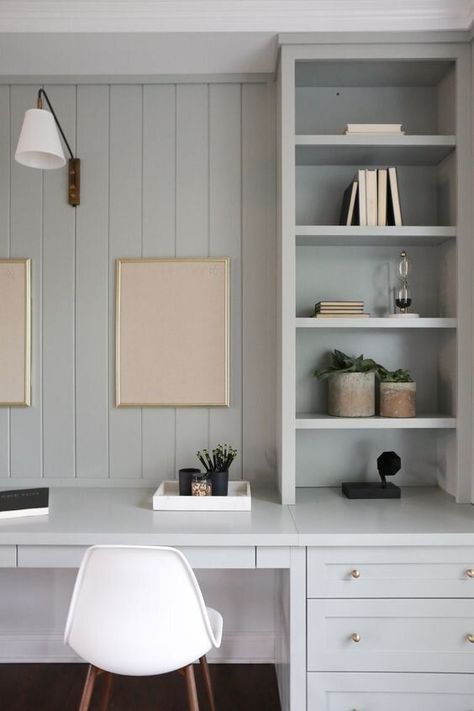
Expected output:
(167, 170)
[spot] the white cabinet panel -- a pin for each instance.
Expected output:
(390, 635)
(390, 692)
(71, 556)
(391, 572)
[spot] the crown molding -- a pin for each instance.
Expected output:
(234, 15)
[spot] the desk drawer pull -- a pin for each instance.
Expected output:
(470, 573)
(356, 573)
(470, 638)
(356, 637)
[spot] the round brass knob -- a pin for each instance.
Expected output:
(470, 638)
(470, 573)
(356, 637)
(356, 573)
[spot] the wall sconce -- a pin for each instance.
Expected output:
(39, 146)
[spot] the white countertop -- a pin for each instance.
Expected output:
(423, 516)
(321, 517)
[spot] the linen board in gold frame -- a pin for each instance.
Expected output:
(172, 332)
(15, 332)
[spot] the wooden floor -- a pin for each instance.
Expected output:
(57, 687)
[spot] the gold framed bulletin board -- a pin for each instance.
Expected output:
(172, 332)
(15, 332)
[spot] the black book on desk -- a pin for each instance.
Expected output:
(24, 502)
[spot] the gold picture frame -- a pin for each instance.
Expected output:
(15, 332)
(172, 332)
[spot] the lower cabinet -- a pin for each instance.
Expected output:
(390, 692)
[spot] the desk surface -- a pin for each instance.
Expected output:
(84, 516)
(423, 516)
(323, 517)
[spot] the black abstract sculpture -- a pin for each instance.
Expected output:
(388, 464)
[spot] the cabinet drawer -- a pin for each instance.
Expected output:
(391, 572)
(390, 692)
(7, 556)
(394, 635)
(198, 556)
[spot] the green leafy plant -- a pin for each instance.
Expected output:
(219, 460)
(343, 363)
(395, 376)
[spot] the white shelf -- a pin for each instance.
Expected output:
(361, 236)
(321, 149)
(326, 422)
(375, 323)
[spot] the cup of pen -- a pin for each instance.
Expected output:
(216, 464)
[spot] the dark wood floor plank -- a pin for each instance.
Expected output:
(58, 687)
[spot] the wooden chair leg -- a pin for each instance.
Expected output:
(106, 689)
(207, 681)
(191, 688)
(88, 688)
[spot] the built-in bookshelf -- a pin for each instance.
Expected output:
(322, 88)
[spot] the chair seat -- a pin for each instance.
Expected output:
(217, 623)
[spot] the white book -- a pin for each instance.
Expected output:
(388, 128)
(382, 197)
(371, 193)
(395, 210)
(362, 198)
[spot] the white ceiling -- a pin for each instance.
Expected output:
(106, 37)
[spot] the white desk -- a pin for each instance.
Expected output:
(412, 557)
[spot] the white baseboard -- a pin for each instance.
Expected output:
(236, 648)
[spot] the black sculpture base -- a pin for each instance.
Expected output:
(370, 490)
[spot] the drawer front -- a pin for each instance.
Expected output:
(7, 556)
(50, 556)
(390, 692)
(391, 572)
(391, 635)
(198, 557)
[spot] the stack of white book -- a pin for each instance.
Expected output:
(372, 199)
(340, 309)
(385, 129)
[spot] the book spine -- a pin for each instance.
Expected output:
(371, 191)
(362, 198)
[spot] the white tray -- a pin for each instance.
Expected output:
(167, 498)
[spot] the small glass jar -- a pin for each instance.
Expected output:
(201, 486)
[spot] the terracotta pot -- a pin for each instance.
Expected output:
(397, 399)
(351, 395)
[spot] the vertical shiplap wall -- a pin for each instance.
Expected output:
(167, 170)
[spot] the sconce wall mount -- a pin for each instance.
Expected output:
(39, 146)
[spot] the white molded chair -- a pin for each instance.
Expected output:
(139, 611)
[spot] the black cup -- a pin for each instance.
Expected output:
(220, 483)
(185, 479)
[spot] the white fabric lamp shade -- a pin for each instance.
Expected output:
(39, 145)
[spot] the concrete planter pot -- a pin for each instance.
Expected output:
(397, 399)
(351, 394)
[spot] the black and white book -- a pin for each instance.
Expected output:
(15, 503)
(394, 211)
(349, 207)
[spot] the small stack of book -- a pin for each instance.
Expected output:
(385, 129)
(372, 199)
(340, 309)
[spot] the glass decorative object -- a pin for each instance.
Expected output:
(403, 298)
(201, 486)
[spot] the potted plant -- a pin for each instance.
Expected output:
(351, 385)
(397, 393)
(217, 465)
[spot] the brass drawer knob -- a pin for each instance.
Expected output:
(356, 573)
(470, 573)
(470, 638)
(356, 637)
